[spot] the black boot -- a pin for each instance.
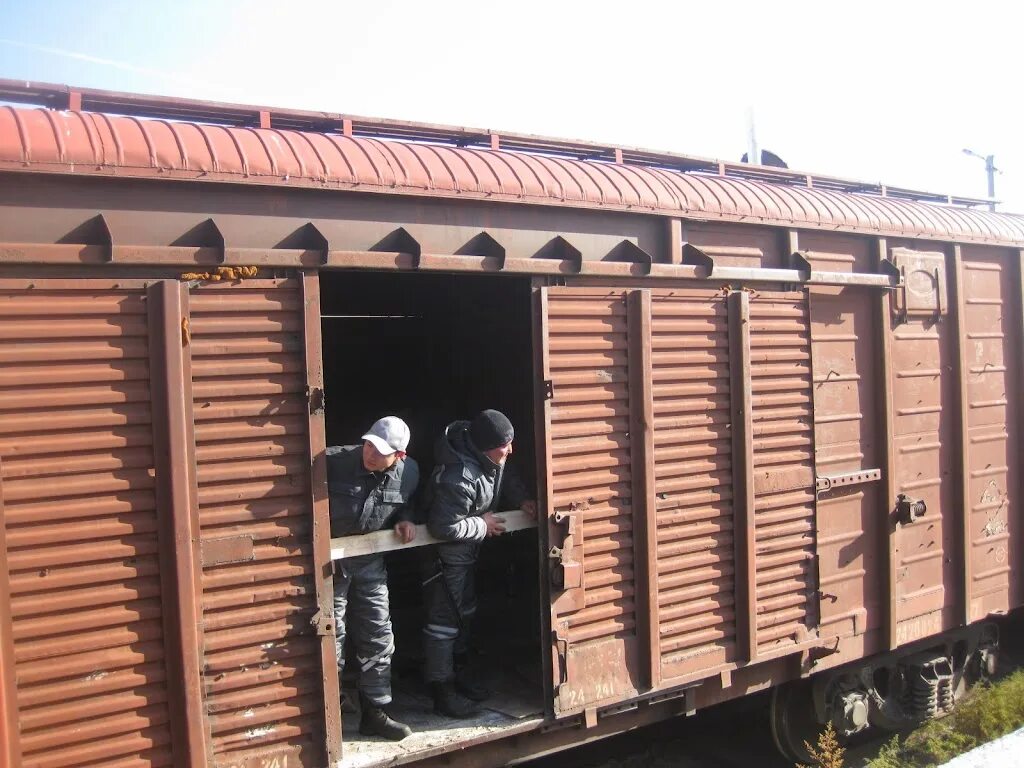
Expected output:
(449, 703)
(471, 689)
(376, 722)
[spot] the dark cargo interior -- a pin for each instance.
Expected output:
(432, 349)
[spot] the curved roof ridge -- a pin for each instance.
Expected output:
(32, 140)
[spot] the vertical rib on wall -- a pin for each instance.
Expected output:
(262, 669)
(80, 524)
(783, 467)
(693, 465)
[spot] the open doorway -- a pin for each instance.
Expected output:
(432, 349)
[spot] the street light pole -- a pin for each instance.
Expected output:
(990, 172)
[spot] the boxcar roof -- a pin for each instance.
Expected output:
(88, 143)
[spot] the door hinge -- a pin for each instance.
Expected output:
(561, 642)
(317, 400)
(549, 389)
(827, 483)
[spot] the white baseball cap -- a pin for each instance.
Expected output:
(388, 435)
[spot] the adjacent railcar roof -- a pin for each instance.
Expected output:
(88, 143)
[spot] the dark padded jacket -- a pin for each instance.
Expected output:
(363, 501)
(464, 485)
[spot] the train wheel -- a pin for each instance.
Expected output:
(793, 721)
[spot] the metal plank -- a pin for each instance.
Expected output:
(10, 733)
(177, 502)
(323, 578)
(742, 473)
(886, 416)
(962, 449)
(641, 439)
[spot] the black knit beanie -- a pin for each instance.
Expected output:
(491, 429)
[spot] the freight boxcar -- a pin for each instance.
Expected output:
(766, 414)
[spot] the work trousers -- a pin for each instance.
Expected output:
(449, 592)
(361, 602)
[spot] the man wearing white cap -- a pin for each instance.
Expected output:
(371, 486)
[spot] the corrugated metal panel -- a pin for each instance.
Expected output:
(783, 424)
(693, 486)
(991, 345)
(80, 522)
(590, 480)
(263, 673)
(75, 142)
(925, 559)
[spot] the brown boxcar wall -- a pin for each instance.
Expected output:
(851, 524)
(149, 629)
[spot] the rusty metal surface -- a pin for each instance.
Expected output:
(76, 99)
(176, 492)
(323, 581)
(10, 735)
(851, 520)
(991, 343)
(591, 490)
(80, 523)
(783, 471)
(693, 467)
(97, 144)
(926, 589)
(263, 669)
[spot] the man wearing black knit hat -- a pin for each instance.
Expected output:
(467, 486)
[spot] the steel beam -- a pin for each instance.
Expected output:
(740, 392)
(641, 438)
(887, 430)
(323, 578)
(962, 448)
(178, 512)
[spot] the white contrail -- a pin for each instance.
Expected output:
(192, 84)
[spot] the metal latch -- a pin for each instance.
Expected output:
(828, 482)
(324, 625)
(561, 643)
(909, 510)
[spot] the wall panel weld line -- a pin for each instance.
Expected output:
(743, 468)
(10, 736)
(887, 429)
(323, 566)
(641, 431)
(178, 510)
(963, 459)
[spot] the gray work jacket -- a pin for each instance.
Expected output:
(363, 501)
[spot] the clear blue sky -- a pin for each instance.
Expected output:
(883, 91)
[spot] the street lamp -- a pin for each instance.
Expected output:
(990, 171)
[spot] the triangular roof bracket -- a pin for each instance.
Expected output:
(694, 256)
(93, 231)
(205, 234)
(308, 237)
(482, 244)
(890, 270)
(802, 264)
(560, 248)
(631, 253)
(400, 241)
